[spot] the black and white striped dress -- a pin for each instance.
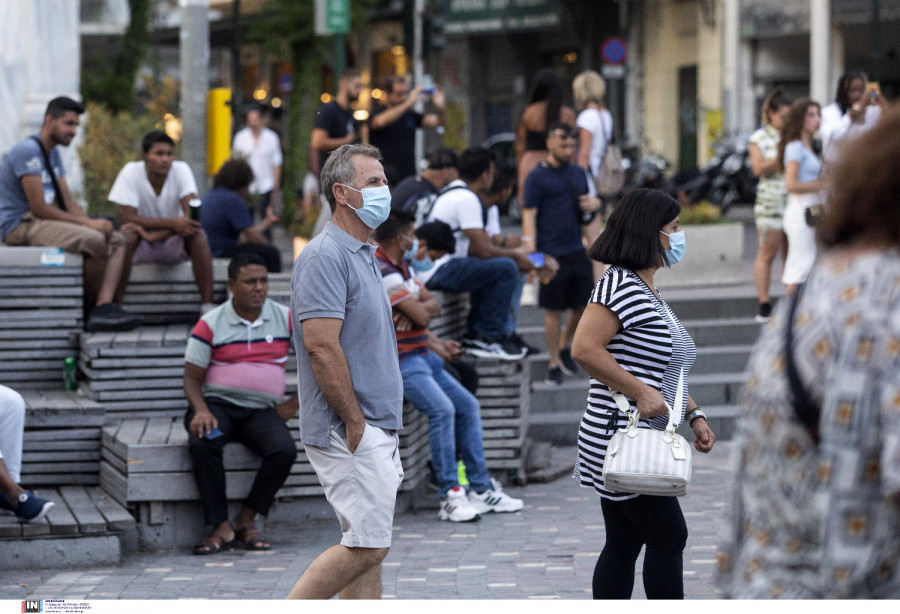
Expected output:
(653, 346)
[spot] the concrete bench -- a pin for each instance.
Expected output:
(147, 459)
(61, 444)
(41, 299)
(168, 293)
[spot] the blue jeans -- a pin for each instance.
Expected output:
(515, 303)
(454, 421)
(491, 284)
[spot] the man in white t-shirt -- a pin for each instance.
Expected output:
(487, 270)
(261, 147)
(153, 196)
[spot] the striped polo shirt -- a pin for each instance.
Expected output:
(244, 360)
(400, 286)
(652, 345)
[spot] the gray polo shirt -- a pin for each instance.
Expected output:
(336, 276)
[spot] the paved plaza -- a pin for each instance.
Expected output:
(546, 551)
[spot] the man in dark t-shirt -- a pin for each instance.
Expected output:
(394, 126)
(557, 200)
(334, 124)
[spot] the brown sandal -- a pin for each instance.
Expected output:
(252, 538)
(212, 544)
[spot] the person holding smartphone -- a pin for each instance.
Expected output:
(856, 108)
(557, 204)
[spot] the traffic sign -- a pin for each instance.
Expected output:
(614, 50)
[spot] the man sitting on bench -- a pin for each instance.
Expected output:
(234, 382)
(153, 195)
(36, 208)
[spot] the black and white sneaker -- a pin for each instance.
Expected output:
(486, 349)
(494, 500)
(764, 313)
(554, 376)
(530, 350)
(457, 508)
(567, 363)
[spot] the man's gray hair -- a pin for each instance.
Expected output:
(339, 168)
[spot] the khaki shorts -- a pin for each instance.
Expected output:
(68, 236)
(361, 487)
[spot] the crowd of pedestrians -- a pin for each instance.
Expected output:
(817, 502)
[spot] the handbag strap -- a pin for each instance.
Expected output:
(633, 416)
(57, 195)
(805, 409)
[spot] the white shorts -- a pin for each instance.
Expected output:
(801, 239)
(361, 487)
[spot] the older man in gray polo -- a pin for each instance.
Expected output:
(351, 391)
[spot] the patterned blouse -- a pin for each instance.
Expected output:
(654, 346)
(771, 195)
(823, 522)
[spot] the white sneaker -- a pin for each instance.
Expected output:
(456, 507)
(494, 500)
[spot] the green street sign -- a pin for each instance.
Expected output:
(332, 17)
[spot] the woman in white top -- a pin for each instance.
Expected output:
(595, 129)
(771, 195)
(804, 181)
(853, 111)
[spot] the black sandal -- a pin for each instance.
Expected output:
(252, 538)
(213, 544)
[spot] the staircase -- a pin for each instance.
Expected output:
(721, 321)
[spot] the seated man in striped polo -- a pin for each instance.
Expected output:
(234, 382)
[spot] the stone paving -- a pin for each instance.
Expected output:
(547, 551)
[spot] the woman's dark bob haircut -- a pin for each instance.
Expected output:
(631, 239)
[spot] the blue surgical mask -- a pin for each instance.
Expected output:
(677, 246)
(420, 266)
(376, 205)
(412, 251)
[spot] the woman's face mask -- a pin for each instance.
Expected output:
(376, 205)
(677, 246)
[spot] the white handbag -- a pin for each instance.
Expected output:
(646, 461)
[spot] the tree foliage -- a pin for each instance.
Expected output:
(287, 28)
(113, 84)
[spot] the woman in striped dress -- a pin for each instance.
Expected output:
(629, 339)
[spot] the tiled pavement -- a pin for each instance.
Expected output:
(547, 551)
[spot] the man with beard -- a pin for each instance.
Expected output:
(335, 126)
(36, 208)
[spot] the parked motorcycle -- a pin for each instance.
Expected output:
(724, 180)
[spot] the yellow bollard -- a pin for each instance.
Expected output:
(218, 136)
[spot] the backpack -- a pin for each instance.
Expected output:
(611, 175)
(424, 208)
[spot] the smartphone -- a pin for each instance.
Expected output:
(537, 259)
(874, 90)
(213, 433)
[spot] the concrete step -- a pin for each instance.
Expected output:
(727, 301)
(723, 331)
(721, 358)
(716, 359)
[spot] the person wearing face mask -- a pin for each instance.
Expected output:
(349, 379)
(629, 340)
(454, 414)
